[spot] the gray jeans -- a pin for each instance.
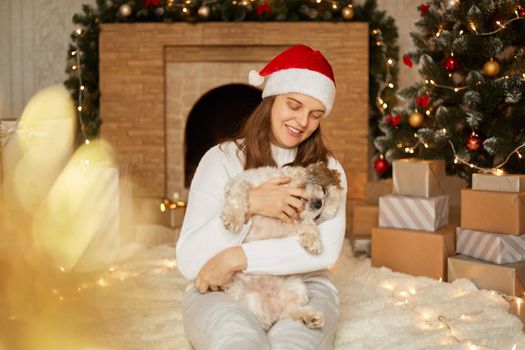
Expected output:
(215, 321)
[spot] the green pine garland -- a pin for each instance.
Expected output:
(85, 37)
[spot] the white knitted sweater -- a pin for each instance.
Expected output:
(203, 234)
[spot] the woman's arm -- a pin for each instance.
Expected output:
(203, 234)
(284, 256)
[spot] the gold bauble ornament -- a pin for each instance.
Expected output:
(204, 11)
(347, 12)
(415, 119)
(451, 3)
(125, 10)
(491, 68)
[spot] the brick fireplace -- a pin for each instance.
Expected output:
(152, 75)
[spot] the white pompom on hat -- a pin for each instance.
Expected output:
(298, 69)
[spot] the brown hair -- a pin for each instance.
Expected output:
(254, 141)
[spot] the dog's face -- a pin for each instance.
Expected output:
(324, 187)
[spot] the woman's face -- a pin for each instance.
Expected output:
(294, 118)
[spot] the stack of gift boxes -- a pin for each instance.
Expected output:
(413, 235)
(491, 239)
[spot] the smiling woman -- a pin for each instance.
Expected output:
(283, 130)
(294, 118)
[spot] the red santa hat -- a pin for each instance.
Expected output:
(298, 69)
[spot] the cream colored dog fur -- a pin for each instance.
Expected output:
(269, 297)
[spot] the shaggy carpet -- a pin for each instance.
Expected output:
(141, 308)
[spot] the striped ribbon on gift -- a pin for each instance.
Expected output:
(414, 213)
(493, 247)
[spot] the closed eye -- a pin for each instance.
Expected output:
(294, 106)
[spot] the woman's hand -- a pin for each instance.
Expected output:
(273, 200)
(220, 269)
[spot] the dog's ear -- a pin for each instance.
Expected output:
(337, 176)
(320, 174)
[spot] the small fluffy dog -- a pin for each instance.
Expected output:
(272, 298)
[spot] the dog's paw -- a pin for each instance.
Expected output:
(311, 242)
(232, 223)
(314, 319)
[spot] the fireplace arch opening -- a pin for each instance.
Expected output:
(217, 115)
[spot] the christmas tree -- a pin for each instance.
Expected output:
(468, 108)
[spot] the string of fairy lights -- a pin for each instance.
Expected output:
(497, 169)
(388, 62)
(77, 67)
(432, 321)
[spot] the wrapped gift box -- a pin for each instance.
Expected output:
(417, 253)
(502, 183)
(498, 212)
(361, 246)
(419, 178)
(508, 279)
(366, 217)
(500, 249)
(414, 213)
(376, 189)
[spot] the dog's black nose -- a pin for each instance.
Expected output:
(316, 203)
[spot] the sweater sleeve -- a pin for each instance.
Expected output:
(283, 256)
(202, 234)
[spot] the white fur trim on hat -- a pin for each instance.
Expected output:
(302, 81)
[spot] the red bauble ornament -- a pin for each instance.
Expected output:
(521, 11)
(381, 165)
(155, 3)
(451, 64)
(473, 142)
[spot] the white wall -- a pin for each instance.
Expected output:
(34, 37)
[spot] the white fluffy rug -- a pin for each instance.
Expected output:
(380, 309)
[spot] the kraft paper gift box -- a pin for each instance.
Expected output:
(498, 212)
(418, 253)
(414, 213)
(376, 189)
(366, 217)
(361, 245)
(419, 178)
(503, 183)
(497, 248)
(508, 279)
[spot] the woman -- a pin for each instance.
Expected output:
(284, 129)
